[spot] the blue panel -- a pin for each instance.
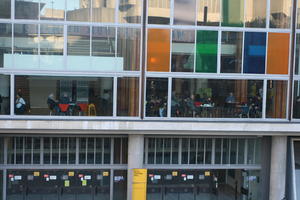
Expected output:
(254, 53)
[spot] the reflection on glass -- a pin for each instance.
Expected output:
(156, 97)
(211, 98)
(5, 46)
(4, 95)
(103, 11)
(128, 96)
(255, 15)
(296, 104)
(233, 13)
(130, 11)
(78, 10)
(276, 99)
(5, 9)
(27, 9)
(103, 41)
(183, 47)
(129, 48)
(206, 51)
(51, 46)
(280, 13)
(26, 46)
(254, 52)
(298, 15)
(65, 96)
(120, 185)
(159, 11)
(231, 52)
(297, 167)
(297, 56)
(208, 13)
(184, 12)
(52, 9)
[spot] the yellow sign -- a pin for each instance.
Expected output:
(84, 182)
(36, 173)
(71, 174)
(105, 173)
(207, 173)
(174, 173)
(139, 184)
(67, 183)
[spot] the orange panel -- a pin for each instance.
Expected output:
(158, 52)
(278, 53)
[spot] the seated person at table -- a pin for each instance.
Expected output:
(64, 99)
(52, 103)
(230, 99)
(20, 105)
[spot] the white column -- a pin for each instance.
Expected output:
(278, 168)
(135, 158)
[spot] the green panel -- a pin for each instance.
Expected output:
(233, 13)
(206, 51)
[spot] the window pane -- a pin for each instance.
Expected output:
(51, 47)
(5, 9)
(90, 151)
(78, 10)
(183, 48)
(5, 46)
(233, 151)
(280, 13)
(28, 9)
(233, 13)
(117, 150)
(256, 13)
(26, 46)
(210, 98)
(225, 148)
(175, 154)
(151, 150)
(208, 150)
(158, 50)
(46, 151)
(63, 150)
(241, 149)
(276, 99)
(298, 15)
(254, 53)
(130, 11)
(28, 150)
(297, 56)
(52, 9)
(231, 52)
(103, 42)
(128, 96)
(106, 151)
(1, 150)
(296, 104)
(193, 150)
(218, 150)
(82, 150)
(4, 95)
(19, 150)
(158, 11)
(278, 53)
(36, 150)
(184, 12)
(206, 51)
(129, 43)
(208, 13)
(72, 150)
(167, 151)
(99, 150)
(159, 150)
(55, 150)
(104, 11)
(156, 97)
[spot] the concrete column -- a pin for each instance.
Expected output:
(135, 158)
(278, 168)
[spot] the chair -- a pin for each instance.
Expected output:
(63, 108)
(83, 107)
(92, 110)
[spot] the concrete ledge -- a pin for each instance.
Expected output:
(148, 127)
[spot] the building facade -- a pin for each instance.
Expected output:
(204, 94)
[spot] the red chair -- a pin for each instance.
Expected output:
(63, 107)
(83, 107)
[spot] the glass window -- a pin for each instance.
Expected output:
(298, 15)
(276, 99)
(184, 12)
(128, 96)
(206, 51)
(103, 11)
(297, 167)
(5, 46)
(233, 13)
(183, 48)
(296, 104)
(255, 15)
(64, 96)
(278, 53)
(254, 53)
(26, 46)
(129, 47)
(1, 150)
(120, 150)
(4, 95)
(280, 13)
(5, 9)
(208, 13)
(27, 9)
(52, 9)
(120, 185)
(158, 50)
(79, 10)
(297, 56)
(51, 47)
(231, 52)
(211, 98)
(130, 11)
(159, 11)
(157, 97)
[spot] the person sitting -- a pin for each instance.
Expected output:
(230, 99)
(64, 99)
(20, 105)
(52, 104)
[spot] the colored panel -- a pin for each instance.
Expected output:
(158, 51)
(206, 51)
(139, 185)
(254, 52)
(233, 13)
(278, 53)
